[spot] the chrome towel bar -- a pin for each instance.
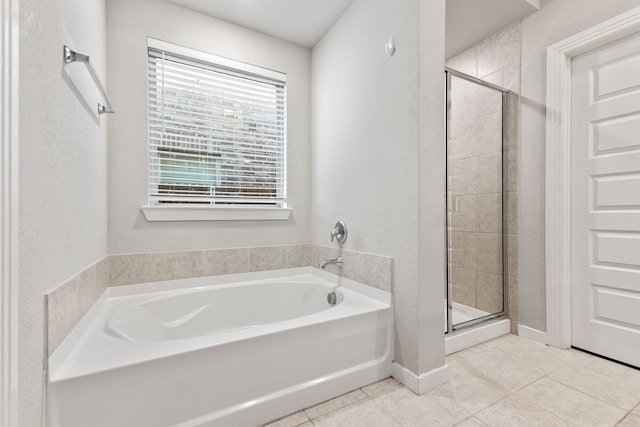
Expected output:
(72, 56)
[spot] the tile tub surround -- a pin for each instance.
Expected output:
(128, 269)
(373, 270)
(67, 303)
(509, 381)
(475, 272)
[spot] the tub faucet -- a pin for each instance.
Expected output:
(339, 233)
(337, 261)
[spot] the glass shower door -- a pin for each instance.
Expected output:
(474, 156)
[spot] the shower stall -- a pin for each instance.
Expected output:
(476, 290)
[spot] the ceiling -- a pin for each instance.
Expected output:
(469, 21)
(302, 22)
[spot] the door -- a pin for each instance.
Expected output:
(605, 201)
(475, 193)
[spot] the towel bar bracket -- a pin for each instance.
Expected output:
(71, 56)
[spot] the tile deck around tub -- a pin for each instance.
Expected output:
(509, 381)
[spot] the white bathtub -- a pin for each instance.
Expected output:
(237, 350)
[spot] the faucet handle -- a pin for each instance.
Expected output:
(339, 232)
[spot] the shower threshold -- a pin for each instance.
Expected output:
(477, 333)
(463, 313)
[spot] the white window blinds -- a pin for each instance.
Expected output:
(217, 130)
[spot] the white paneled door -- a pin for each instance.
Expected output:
(605, 201)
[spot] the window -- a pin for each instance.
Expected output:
(217, 130)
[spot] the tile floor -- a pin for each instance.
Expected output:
(509, 381)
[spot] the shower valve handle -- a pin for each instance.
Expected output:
(339, 232)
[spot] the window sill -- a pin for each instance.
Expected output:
(231, 213)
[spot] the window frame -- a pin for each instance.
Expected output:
(237, 210)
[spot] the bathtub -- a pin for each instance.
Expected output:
(236, 350)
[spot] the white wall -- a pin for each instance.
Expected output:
(366, 147)
(129, 23)
(557, 20)
(62, 172)
(430, 292)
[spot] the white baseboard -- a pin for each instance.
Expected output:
(532, 334)
(466, 338)
(423, 383)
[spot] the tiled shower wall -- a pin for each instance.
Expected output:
(475, 267)
(69, 302)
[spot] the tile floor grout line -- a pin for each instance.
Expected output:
(624, 417)
(632, 411)
(527, 384)
(389, 415)
(512, 395)
(473, 414)
(587, 394)
(467, 418)
(579, 391)
(546, 411)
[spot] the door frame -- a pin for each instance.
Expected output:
(558, 166)
(9, 212)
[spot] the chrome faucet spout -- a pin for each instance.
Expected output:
(336, 261)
